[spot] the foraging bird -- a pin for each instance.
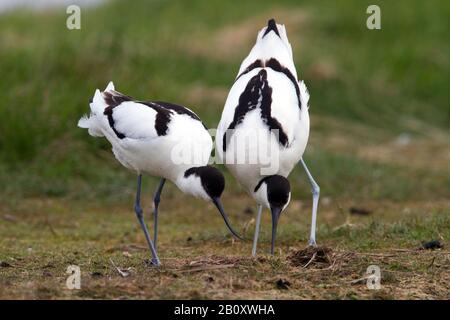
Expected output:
(159, 138)
(267, 107)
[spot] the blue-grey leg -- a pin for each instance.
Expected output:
(140, 216)
(315, 193)
(156, 200)
(258, 223)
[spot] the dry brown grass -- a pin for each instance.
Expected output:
(423, 275)
(198, 262)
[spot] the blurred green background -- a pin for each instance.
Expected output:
(379, 98)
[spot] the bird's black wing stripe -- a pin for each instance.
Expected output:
(257, 93)
(255, 64)
(180, 110)
(113, 99)
(248, 100)
(275, 65)
(163, 111)
(266, 112)
(162, 119)
(177, 108)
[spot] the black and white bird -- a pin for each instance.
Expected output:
(161, 139)
(267, 98)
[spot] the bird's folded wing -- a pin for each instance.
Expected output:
(134, 120)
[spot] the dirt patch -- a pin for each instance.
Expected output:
(432, 245)
(4, 264)
(210, 267)
(321, 257)
(283, 284)
(359, 211)
(213, 262)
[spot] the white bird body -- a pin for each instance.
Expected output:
(264, 128)
(159, 138)
(284, 102)
(141, 146)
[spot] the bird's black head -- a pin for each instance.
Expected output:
(211, 178)
(213, 184)
(275, 192)
(278, 191)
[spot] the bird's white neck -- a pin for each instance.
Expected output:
(260, 196)
(191, 185)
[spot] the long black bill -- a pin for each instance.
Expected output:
(275, 216)
(219, 206)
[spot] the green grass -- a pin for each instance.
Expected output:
(394, 79)
(368, 88)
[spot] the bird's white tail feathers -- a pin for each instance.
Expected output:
(98, 105)
(84, 122)
(304, 93)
